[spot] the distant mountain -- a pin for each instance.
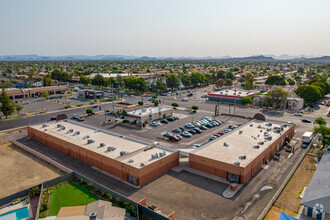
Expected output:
(254, 58)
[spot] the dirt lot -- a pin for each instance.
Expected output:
(288, 202)
(21, 170)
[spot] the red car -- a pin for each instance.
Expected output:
(217, 135)
(173, 138)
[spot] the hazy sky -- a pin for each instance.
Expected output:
(165, 28)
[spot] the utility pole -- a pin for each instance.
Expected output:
(235, 99)
(113, 101)
(180, 84)
(35, 106)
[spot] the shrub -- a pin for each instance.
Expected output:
(140, 103)
(90, 186)
(175, 105)
(124, 112)
(195, 108)
(130, 210)
(155, 102)
(246, 100)
(34, 191)
(109, 197)
(89, 111)
(115, 114)
(43, 207)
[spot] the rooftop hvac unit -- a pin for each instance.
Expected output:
(251, 125)
(260, 142)
(240, 132)
(69, 131)
(237, 163)
(102, 144)
(259, 126)
(269, 129)
(269, 124)
(122, 153)
(92, 215)
(256, 146)
(87, 136)
(269, 138)
(162, 154)
(142, 164)
(260, 130)
(111, 148)
(239, 92)
(59, 125)
(130, 161)
(242, 157)
(266, 134)
(144, 110)
(285, 125)
(140, 113)
(45, 125)
(89, 141)
(45, 130)
(225, 144)
(63, 127)
(76, 133)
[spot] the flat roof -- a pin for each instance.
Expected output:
(240, 142)
(148, 111)
(134, 148)
(231, 92)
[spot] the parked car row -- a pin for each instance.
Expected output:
(196, 127)
(225, 131)
(164, 121)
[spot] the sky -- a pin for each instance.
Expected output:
(164, 28)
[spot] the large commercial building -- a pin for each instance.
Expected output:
(129, 159)
(239, 154)
(35, 92)
(231, 95)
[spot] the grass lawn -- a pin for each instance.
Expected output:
(69, 194)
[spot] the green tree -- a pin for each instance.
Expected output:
(84, 79)
(320, 121)
(18, 108)
(7, 107)
(175, 105)
(246, 100)
(197, 79)
(155, 102)
(186, 80)
(140, 103)
(249, 82)
(98, 80)
(89, 111)
(309, 93)
(160, 86)
(300, 70)
(220, 83)
(172, 81)
(45, 94)
(229, 82)
(276, 97)
(291, 81)
(325, 133)
(275, 80)
(195, 108)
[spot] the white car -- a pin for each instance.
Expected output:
(185, 99)
(132, 96)
(298, 114)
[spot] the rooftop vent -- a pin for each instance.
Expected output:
(269, 138)
(142, 164)
(45, 125)
(237, 163)
(102, 144)
(266, 134)
(76, 133)
(154, 156)
(63, 127)
(111, 148)
(260, 142)
(89, 141)
(242, 157)
(240, 132)
(285, 125)
(259, 126)
(256, 146)
(225, 144)
(162, 154)
(59, 125)
(251, 125)
(45, 130)
(130, 161)
(69, 131)
(122, 153)
(87, 136)
(122, 136)
(269, 124)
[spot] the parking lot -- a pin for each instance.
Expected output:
(156, 134)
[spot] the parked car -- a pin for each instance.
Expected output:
(190, 94)
(185, 99)
(189, 125)
(173, 138)
(167, 134)
(177, 130)
(94, 106)
(186, 134)
(179, 136)
(154, 96)
(196, 146)
(132, 96)
(81, 118)
(232, 126)
(204, 96)
(203, 127)
(208, 125)
(298, 114)
(217, 135)
(198, 131)
(213, 138)
(170, 119)
(306, 121)
(75, 116)
(182, 128)
(53, 118)
(192, 131)
(176, 118)
(25, 102)
(155, 123)
(151, 99)
(164, 121)
(214, 123)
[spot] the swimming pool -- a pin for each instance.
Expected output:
(20, 213)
